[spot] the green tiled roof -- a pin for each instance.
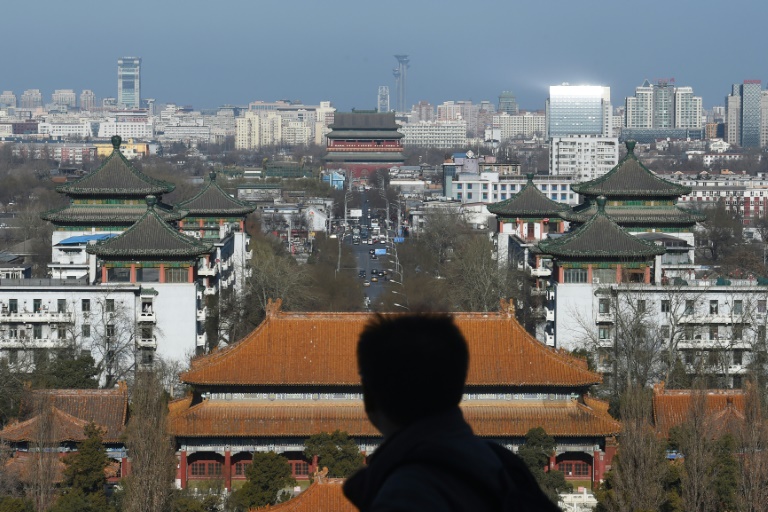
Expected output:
(601, 238)
(364, 121)
(630, 178)
(637, 215)
(529, 202)
(365, 134)
(213, 200)
(100, 214)
(150, 236)
(116, 177)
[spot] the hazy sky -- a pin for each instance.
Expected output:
(208, 53)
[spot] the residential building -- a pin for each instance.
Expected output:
(460, 111)
(662, 111)
(435, 134)
(422, 111)
(526, 125)
(87, 100)
(574, 110)
(8, 99)
(742, 195)
(283, 123)
(64, 97)
(583, 157)
(129, 82)
(250, 397)
(31, 99)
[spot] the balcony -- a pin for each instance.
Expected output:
(550, 339)
(209, 290)
(207, 271)
(202, 340)
(148, 342)
(541, 272)
(605, 343)
(538, 292)
(550, 316)
(20, 317)
(202, 314)
(147, 316)
(605, 317)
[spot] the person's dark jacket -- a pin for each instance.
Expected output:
(438, 464)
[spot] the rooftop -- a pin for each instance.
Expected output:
(529, 202)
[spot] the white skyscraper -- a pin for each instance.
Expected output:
(574, 110)
(383, 99)
(129, 82)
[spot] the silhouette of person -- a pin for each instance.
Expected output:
(413, 369)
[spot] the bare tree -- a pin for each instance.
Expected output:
(753, 451)
(639, 469)
(44, 454)
(153, 460)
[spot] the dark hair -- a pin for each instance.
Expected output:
(413, 365)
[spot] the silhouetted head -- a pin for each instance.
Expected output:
(411, 366)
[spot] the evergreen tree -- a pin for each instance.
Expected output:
(535, 453)
(336, 451)
(84, 479)
(266, 476)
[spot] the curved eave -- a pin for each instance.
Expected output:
(151, 186)
(59, 215)
(393, 157)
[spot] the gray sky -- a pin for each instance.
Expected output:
(207, 53)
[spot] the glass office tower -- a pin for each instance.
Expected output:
(578, 110)
(129, 82)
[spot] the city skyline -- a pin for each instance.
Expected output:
(211, 55)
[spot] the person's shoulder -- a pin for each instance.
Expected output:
(414, 487)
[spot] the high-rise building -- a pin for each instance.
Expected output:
(743, 114)
(661, 110)
(383, 99)
(422, 111)
(129, 82)
(87, 100)
(400, 73)
(584, 158)
(574, 110)
(508, 103)
(8, 99)
(64, 97)
(31, 98)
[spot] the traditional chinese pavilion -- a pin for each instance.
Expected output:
(636, 199)
(296, 375)
(529, 214)
(69, 410)
(363, 141)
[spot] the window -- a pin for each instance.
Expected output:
(469, 195)
(714, 332)
(109, 305)
(85, 305)
(469, 186)
(61, 333)
(61, 306)
(738, 331)
(575, 275)
(37, 332)
(641, 306)
(110, 330)
(761, 306)
(738, 356)
(86, 330)
(179, 275)
(13, 305)
(214, 469)
(198, 469)
(146, 332)
(147, 356)
(689, 307)
(604, 333)
(240, 468)
(713, 307)
(689, 358)
(738, 307)
(574, 469)
(119, 275)
(300, 468)
(604, 306)
(665, 331)
(37, 305)
(666, 306)
(148, 275)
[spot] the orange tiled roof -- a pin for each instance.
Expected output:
(319, 349)
(22, 464)
(64, 427)
(107, 408)
(725, 407)
(252, 418)
(325, 497)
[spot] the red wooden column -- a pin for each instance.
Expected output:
(103, 274)
(133, 272)
(125, 467)
(552, 462)
(162, 273)
(647, 277)
(228, 470)
(598, 467)
(589, 274)
(183, 468)
(560, 275)
(618, 273)
(191, 274)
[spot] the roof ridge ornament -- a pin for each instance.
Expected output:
(601, 204)
(151, 202)
(116, 141)
(530, 177)
(212, 175)
(630, 144)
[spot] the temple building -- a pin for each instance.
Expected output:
(57, 418)
(296, 375)
(362, 142)
(130, 274)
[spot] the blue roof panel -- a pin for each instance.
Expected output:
(84, 239)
